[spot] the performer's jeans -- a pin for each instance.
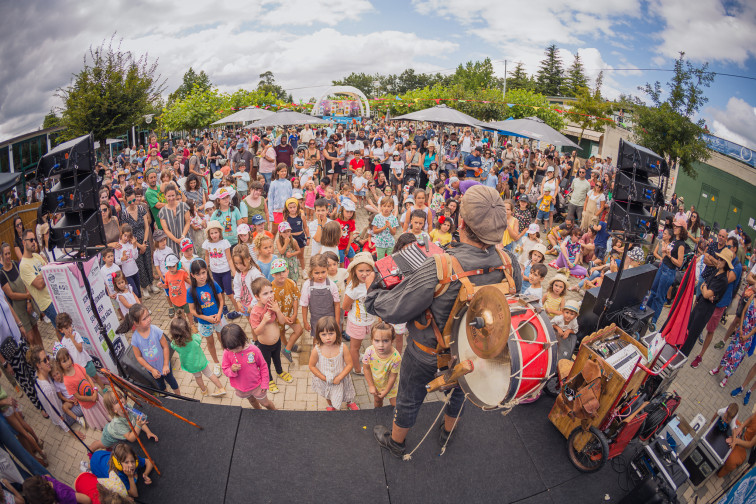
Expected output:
(415, 375)
(665, 276)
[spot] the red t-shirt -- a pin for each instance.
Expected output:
(347, 228)
(86, 483)
(176, 283)
(355, 163)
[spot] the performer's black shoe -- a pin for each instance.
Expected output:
(383, 436)
(443, 435)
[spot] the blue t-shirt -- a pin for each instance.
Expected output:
(265, 267)
(601, 236)
(99, 465)
(208, 306)
(737, 268)
(472, 162)
(150, 347)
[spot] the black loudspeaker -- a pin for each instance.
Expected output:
(632, 157)
(73, 192)
(78, 229)
(75, 155)
(631, 218)
(640, 190)
(136, 371)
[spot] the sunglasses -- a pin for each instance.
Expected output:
(46, 360)
(132, 200)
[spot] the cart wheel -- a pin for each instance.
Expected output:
(552, 387)
(595, 452)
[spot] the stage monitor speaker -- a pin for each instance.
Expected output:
(629, 217)
(634, 285)
(73, 192)
(632, 157)
(640, 190)
(75, 229)
(75, 155)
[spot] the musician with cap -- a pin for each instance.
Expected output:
(482, 222)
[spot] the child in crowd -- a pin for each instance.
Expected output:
(227, 215)
(118, 430)
(726, 418)
(192, 358)
(151, 348)
(385, 225)
(381, 364)
(288, 249)
(310, 196)
(566, 328)
(333, 203)
(553, 299)
(336, 273)
(245, 367)
(320, 296)
(359, 182)
(24, 432)
(246, 271)
(296, 188)
(294, 217)
(109, 270)
(187, 254)
(175, 281)
(535, 256)
(347, 224)
(316, 225)
(258, 229)
(70, 404)
(538, 273)
(264, 318)
(119, 470)
(205, 300)
(441, 234)
(124, 293)
(241, 176)
(265, 255)
(162, 250)
(544, 207)
(126, 258)
(330, 365)
(361, 275)
(417, 223)
(218, 256)
(81, 386)
(245, 237)
(330, 237)
(286, 293)
(363, 242)
(529, 241)
(197, 224)
(408, 202)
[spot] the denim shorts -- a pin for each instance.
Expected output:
(414, 377)
(542, 215)
(343, 254)
(207, 330)
(359, 193)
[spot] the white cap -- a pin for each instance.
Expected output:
(171, 260)
(549, 169)
(348, 205)
(396, 153)
(533, 228)
(209, 205)
(242, 229)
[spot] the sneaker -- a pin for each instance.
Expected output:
(330, 408)
(700, 339)
(353, 406)
(383, 435)
(736, 392)
(287, 353)
(723, 383)
(219, 392)
(217, 370)
(696, 362)
(233, 315)
(82, 422)
(203, 392)
(225, 310)
(295, 348)
(719, 345)
(154, 289)
(345, 337)
(714, 372)
(358, 373)
(747, 398)
(272, 387)
(84, 466)
(146, 294)
(286, 377)
(171, 312)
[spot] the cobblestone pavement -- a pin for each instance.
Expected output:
(700, 392)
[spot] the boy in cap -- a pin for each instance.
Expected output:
(566, 328)
(286, 293)
(187, 254)
(544, 207)
(175, 280)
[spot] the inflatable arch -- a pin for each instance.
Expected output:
(349, 91)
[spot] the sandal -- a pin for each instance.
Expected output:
(719, 345)
(272, 387)
(285, 376)
(330, 408)
(353, 406)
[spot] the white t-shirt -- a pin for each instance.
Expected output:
(129, 296)
(80, 358)
(396, 167)
(597, 198)
(359, 183)
(315, 246)
(358, 315)
(217, 254)
(126, 258)
(158, 258)
(733, 423)
(107, 273)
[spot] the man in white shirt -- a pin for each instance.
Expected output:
(578, 193)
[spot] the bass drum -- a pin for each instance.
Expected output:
(521, 369)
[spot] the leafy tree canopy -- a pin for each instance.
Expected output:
(191, 80)
(268, 85)
(590, 109)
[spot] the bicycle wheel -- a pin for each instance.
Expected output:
(594, 453)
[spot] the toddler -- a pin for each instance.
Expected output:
(189, 348)
(330, 365)
(537, 273)
(245, 367)
(381, 364)
(553, 299)
(566, 328)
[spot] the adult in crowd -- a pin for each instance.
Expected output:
(136, 216)
(267, 161)
(30, 269)
(483, 220)
(18, 242)
(472, 163)
(578, 192)
(18, 295)
(216, 156)
(153, 196)
(710, 256)
(672, 260)
(695, 230)
(594, 205)
(451, 158)
(174, 218)
(284, 151)
(193, 191)
(111, 226)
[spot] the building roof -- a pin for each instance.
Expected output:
(31, 134)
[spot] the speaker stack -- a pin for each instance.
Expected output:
(74, 194)
(634, 193)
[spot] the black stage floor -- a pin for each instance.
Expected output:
(245, 455)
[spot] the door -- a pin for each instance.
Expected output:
(707, 203)
(733, 213)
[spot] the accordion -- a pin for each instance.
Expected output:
(392, 269)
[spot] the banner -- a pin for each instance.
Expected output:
(733, 150)
(70, 296)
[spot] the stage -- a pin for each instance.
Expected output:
(246, 455)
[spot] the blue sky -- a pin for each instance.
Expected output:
(308, 43)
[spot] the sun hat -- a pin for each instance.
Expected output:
(727, 255)
(185, 244)
(361, 258)
(277, 266)
(242, 229)
(572, 306)
(549, 169)
(636, 254)
(396, 153)
(533, 228)
(159, 235)
(171, 260)
(213, 224)
(223, 192)
(539, 247)
(218, 175)
(257, 219)
(283, 227)
(483, 210)
(348, 205)
(560, 277)
(680, 221)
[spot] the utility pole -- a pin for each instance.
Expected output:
(504, 90)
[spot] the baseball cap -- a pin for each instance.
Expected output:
(171, 260)
(209, 205)
(396, 153)
(242, 229)
(223, 192)
(549, 169)
(680, 221)
(257, 219)
(159, 235)
(185, 244)
(277, 266)
(348, 205)
(283, 227)
(483, 210)
(533, 228)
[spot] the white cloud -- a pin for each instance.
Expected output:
(707, 30)
(309, 12)
(736, 123)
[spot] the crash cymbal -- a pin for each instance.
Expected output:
(488, 322)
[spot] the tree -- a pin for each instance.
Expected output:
(590, 110)
(519, 78)
(362, 81)
(407, 81)
(667, 127)
(524, 103)
(550, 75)
(190, 81)
(268, 84)
(110, 94)
(52, 120)
(477, 75)
(576, 78)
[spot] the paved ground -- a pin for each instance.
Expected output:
(700, 392)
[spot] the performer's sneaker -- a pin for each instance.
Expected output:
(383, 436)
(443, 435)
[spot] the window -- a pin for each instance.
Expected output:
(4, 161)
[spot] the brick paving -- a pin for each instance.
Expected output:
(700, 392)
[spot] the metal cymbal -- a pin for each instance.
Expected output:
(488, 322)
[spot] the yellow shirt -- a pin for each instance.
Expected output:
(29, 269)
(442, 238)
(381, 369)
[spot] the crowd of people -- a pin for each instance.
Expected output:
(262, 225)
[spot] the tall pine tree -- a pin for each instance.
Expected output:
(576, 78)
(550, 75)
(519, 78)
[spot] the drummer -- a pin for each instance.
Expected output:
(483, 219)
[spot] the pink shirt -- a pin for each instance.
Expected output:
(253, 372)
(258, 312)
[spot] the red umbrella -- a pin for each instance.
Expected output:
(675, 328)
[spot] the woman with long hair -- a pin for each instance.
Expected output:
(18, 243)
(672, 260)
(138, 217)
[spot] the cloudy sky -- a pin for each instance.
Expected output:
(308, 43)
